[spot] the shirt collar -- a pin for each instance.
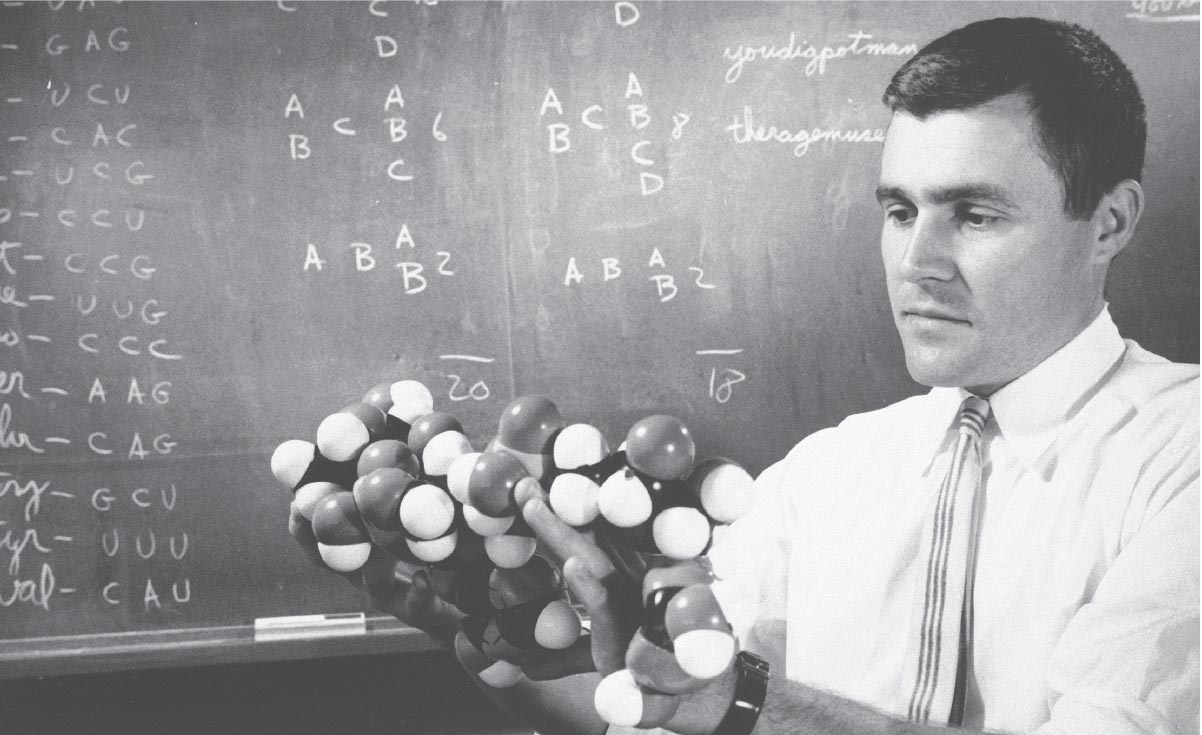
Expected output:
(935, 436)
(1031, 409)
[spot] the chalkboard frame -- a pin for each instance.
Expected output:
(234, 644)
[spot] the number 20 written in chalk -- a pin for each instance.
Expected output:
(460, 391)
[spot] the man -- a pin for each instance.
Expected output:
(1066, 576)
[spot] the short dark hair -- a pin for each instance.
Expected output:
(1087, 107)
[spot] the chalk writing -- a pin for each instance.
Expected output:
(139, 265)
(149, 311)
(160, 392)
(722, 390)
(131, 345)
(104, 499)
(104, 258)
(625, 13)
(479, 390)
(665, 284)
(117, 39)
(181, 593)
(815, 57)
(1164, 11)
(722, 380)
(11, 438)
(161, 444)
(15, 546)
(11, 382)
(644, 151)
(745, 130)
(463, 389)
(34, 592)
(133, 220)
(34, 489)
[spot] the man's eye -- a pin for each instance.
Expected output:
(978, 219)
(899, 215)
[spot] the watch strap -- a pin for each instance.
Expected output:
(751, 687)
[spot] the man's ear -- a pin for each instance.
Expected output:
(1115, 219)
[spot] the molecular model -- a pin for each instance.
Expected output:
(390, 471)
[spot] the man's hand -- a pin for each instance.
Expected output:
(401, 590)
(611, 597)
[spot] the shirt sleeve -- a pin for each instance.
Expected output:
(1127, 663)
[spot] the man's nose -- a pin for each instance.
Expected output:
(928, 250)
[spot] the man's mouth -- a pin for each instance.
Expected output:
(931, 314)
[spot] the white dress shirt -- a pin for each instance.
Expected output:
(1086, 613)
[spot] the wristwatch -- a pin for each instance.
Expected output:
(751, 686)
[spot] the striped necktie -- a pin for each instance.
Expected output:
(939, 651)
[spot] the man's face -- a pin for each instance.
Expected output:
(987, 274)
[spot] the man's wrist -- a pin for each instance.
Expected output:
(749, 691)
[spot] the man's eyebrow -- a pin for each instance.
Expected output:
(890, 192)
(973, 192)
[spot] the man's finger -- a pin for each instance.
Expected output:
(410, 599)
(379, 575)
(563, 541)
(608, 633)
(528, 489)
(494, 673)
(585, 586)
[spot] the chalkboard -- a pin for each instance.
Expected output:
(223, 221)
